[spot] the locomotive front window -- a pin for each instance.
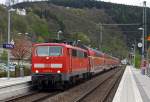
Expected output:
(49, 50)
(42, 51)
(55, 50)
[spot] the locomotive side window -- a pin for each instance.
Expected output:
(80, 54)
(85, 54)
(74, 53)
(49, 50)
(98, 55)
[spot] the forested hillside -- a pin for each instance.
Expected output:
(123, 14)
(78, 19)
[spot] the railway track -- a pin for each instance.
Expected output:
(97, 89)
(101, 92)
(32, 97)
(84, 92)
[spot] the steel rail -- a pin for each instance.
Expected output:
(79, 99)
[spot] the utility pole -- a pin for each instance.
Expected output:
(101, 35)
(145, 24)
(9, 9)
(134, 52)
(144, 43)
(145, 33)
(101, 27)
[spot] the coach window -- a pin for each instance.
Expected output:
(85, 54)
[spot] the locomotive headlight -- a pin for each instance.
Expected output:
(56, 65)
(58, 71)
(36, 71)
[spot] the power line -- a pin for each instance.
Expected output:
(121, 24)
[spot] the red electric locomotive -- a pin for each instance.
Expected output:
(55, 64)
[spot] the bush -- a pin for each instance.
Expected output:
(3, 74)
(16, 73)
(27, 71)
(137, 61)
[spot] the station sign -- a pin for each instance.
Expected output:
(8, 46)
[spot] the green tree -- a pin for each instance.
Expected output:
(137, 60)
(82, 37)
(4, 57)
(40, 39)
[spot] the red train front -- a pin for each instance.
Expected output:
(57, 64)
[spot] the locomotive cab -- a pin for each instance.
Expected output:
(48, 59)
(48, 63)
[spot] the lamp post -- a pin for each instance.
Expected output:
(145, 32)
(143, 51)
(58, 34)
(78, 40)
(143, 41)
(8, 51)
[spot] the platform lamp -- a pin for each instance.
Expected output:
(143, 47)
(58, 34)
(8, 59)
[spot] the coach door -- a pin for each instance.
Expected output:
(91, 63)
(69, 59)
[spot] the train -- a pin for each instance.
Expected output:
(56, 65)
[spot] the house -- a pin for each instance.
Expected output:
(21, 12)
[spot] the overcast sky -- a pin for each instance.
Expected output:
(128, 2)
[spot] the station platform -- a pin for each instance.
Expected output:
(4, 82)
(134, 87)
